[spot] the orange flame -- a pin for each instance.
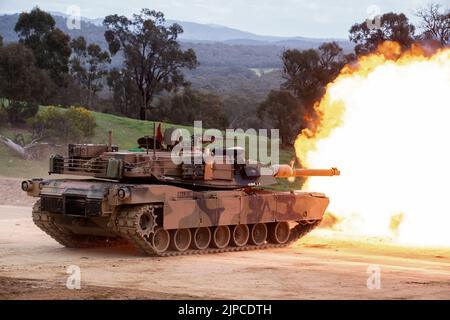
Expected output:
(380, 120)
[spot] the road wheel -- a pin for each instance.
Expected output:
(180, 239)
(258, 234)
(240, 235)
(221, 237)
(201, 238)
(161, 240)
(279, 232)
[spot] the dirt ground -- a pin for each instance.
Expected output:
(323, 265)
(12, 194)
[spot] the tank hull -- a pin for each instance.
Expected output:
(169, 220)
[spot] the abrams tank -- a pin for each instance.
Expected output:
(163, 207)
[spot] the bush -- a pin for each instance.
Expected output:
(73, 125)
(82, 119)
(18, 112)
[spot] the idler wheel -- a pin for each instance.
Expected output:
(201, 238)
(240, 235)
(279, 232)
(146, 221)
(161, 240)
(180, 239)
(221, 237)
(258, 234)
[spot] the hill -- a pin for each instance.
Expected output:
(93, 30)
(199, 32)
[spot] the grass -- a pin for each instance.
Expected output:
(126, 131)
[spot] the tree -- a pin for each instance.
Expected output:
(434, 24)
(189, 105)
(152, 54)
(393, 27)
(241, 111)
(125, 93)
(307, 72)
(1, 41)
(50, 45)
(21, 81)
(281, 110)
(306, 75)
(300, 73)
(88, 66)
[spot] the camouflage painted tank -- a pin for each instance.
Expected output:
(163, 208)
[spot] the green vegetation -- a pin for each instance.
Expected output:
(392, 27)
(126, 131)
(63, 125)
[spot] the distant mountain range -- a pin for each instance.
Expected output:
(193, 32)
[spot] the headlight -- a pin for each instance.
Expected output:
(27, 185)
(123, 193)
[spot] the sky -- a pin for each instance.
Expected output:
(319, 19)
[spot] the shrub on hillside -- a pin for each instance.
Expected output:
(82, 119)
(18, 112)
(76, 124)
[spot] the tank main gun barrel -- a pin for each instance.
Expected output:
(285, 171)
(316, 172)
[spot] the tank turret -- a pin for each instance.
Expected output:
(195, 169)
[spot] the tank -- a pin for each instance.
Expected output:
(143, 197)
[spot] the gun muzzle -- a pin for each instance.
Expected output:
(285, 171)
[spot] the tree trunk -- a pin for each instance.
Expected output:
(16, 148)
(25, 152)
(143, 108)
(142, 113)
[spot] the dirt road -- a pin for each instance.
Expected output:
(321, 266)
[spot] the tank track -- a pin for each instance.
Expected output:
(67, 238)
(126, 224)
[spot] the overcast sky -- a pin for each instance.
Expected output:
(325, 18)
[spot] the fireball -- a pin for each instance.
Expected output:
(385, 123)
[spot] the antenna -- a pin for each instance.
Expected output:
(154, 140)
(110, 140)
